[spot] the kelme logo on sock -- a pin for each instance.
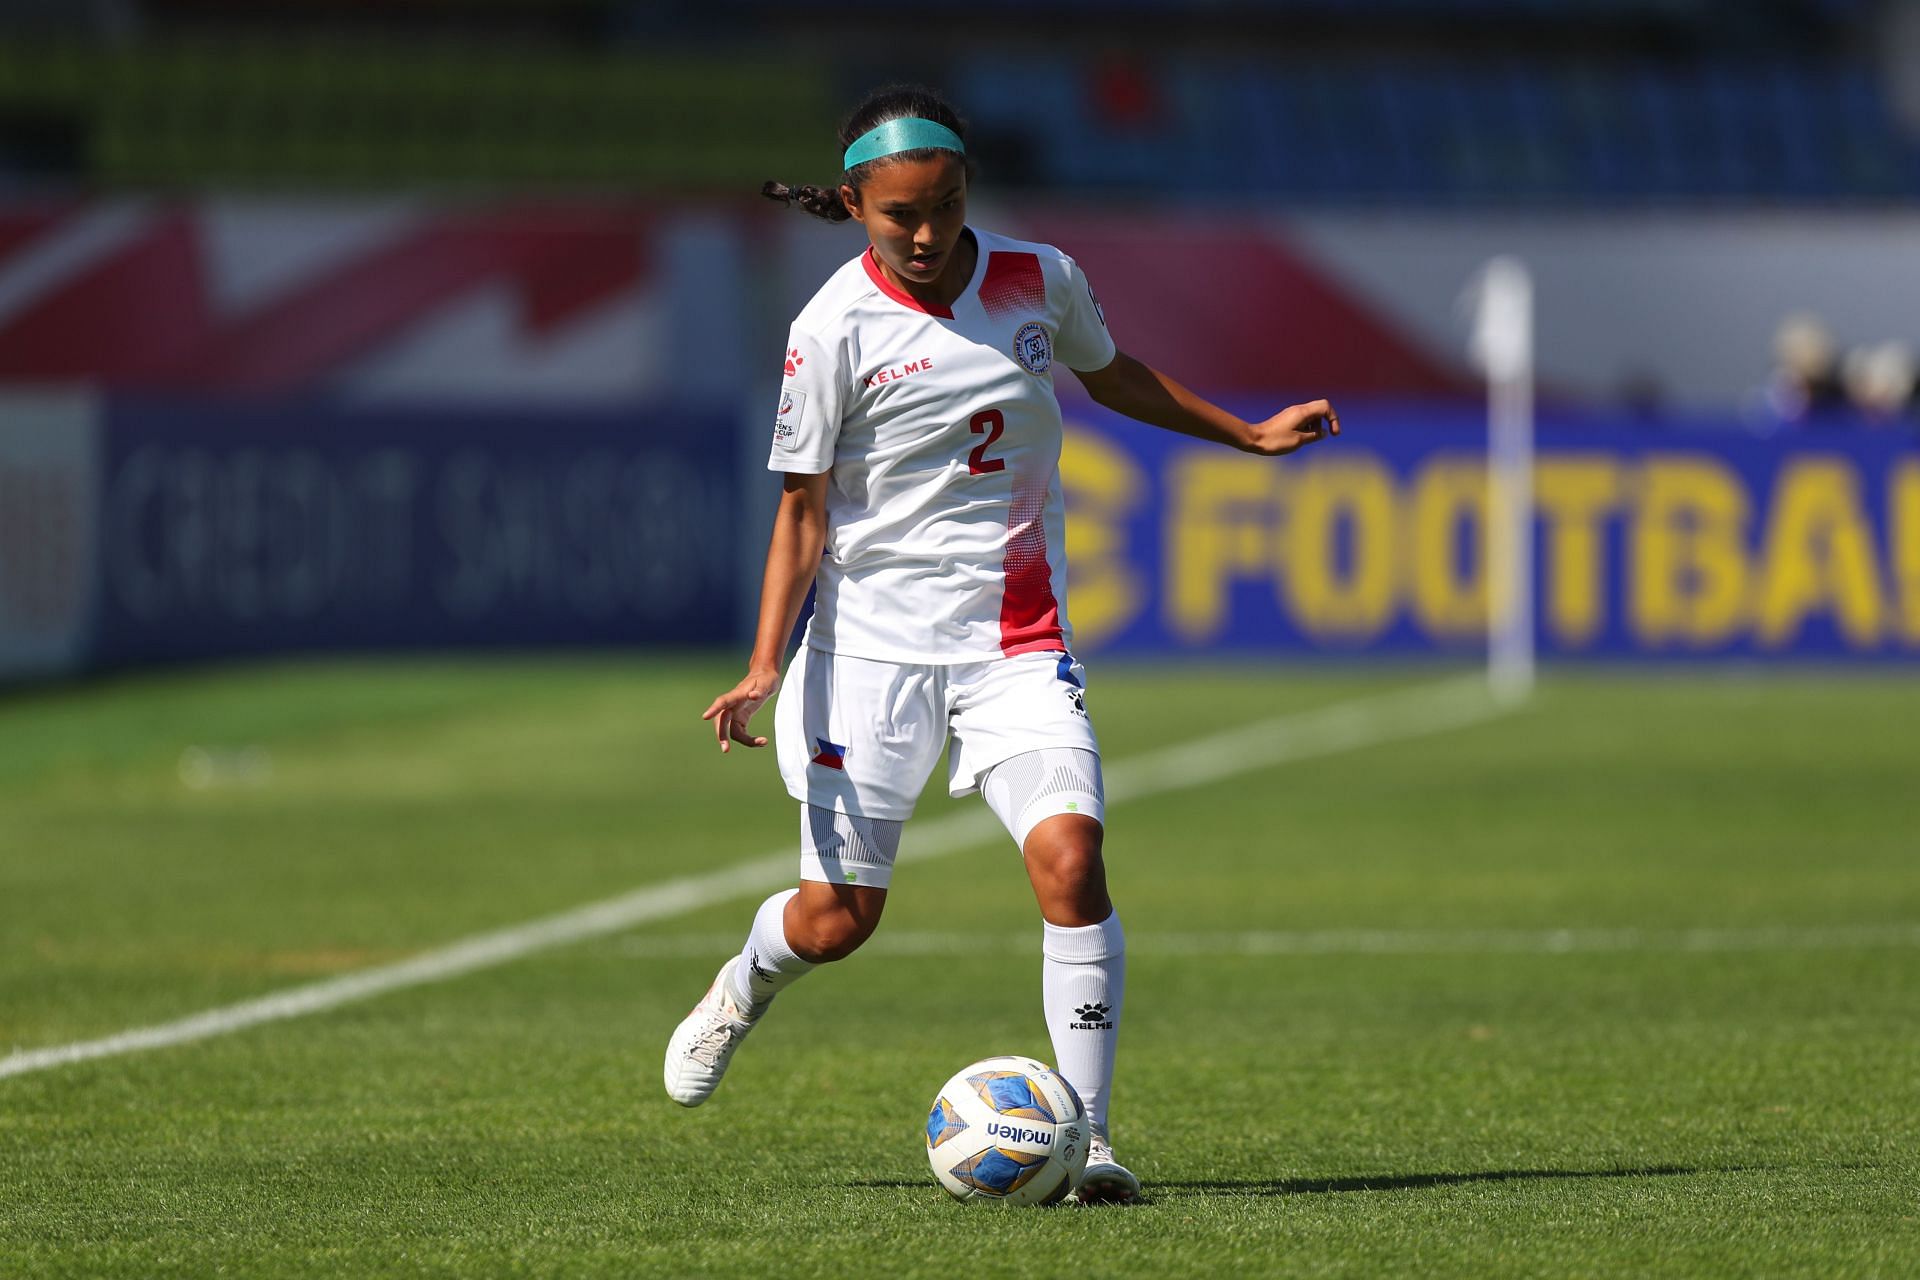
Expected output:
(1093, 1017)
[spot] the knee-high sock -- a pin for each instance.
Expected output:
(767, 963)
(1083, 980)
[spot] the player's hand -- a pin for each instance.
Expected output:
(1294, 427)
(732, 709)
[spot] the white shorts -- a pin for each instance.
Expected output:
(862, 737)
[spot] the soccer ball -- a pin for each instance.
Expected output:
(1007, 1130)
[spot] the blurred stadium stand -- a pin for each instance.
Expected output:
(1378, 130)
(1299, 101)
(405, 323)
(326, 111)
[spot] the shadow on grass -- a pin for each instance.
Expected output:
(1386, 1182)
(1414, 1181)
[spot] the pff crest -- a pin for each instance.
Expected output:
(1033, 347)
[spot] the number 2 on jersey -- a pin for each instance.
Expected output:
(990, 423)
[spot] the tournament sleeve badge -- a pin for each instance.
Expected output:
(786, 422)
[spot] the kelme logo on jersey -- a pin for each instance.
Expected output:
(795, 359)
(1033, 347)
(899, 371)
(786, 423)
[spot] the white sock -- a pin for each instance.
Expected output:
(767, 963)
(1082, 981)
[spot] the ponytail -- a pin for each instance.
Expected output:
(894, 102)
(821, 202)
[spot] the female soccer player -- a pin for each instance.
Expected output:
(919, 441)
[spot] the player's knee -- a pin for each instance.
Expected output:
(823, 931)
(1068, 872)
(1066, 849)
(831, 938)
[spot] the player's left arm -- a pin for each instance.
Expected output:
(1142, 392)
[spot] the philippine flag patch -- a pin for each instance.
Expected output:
(831, 754)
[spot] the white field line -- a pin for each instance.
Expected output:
(1345, 726)
(1348, 942)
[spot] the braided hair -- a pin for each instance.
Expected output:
(894, 102)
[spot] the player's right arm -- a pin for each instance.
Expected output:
(793, 557)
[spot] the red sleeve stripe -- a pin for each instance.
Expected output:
(1013, 284)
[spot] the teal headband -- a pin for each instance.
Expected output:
(895, 136)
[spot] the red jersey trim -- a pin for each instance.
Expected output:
(1029, 615)
(1043, 643)
(892, 290)
(1014, 284)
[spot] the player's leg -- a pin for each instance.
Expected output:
(1024, 739)
(855, 747)
(825, 919)
(1052, 804)
(829, 915)
(1083, 967)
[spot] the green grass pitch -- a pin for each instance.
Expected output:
(1348, 1050)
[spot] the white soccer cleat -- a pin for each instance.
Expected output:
(697, 1054)
(1106, 1181)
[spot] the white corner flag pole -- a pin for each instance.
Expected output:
(1503, 348)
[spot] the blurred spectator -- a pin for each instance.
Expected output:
(1880, 382)
(1642, 394)
(1124, 95)
(1805, 383)
(1898, 45)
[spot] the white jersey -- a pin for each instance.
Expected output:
(945, 523)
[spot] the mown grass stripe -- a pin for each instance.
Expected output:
(1346, 726)
(1340, 942)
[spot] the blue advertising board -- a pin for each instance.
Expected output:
(243, 529)
(142, 531)
(1650, 541)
